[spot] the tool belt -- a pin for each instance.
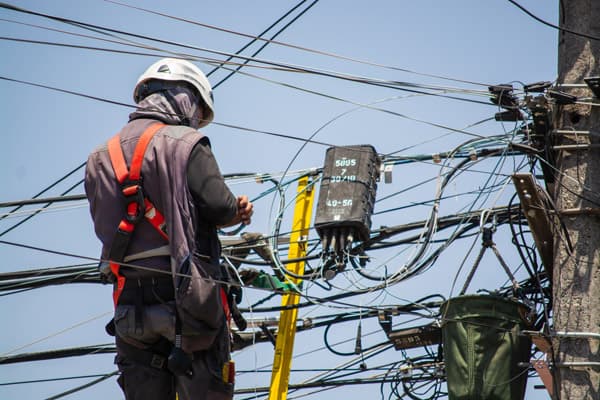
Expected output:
(148, 291)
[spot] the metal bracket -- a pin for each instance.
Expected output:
(538, 221)
(579, 211)
(541, 367)
(540, 340)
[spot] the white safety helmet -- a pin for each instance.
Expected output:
(173, 69)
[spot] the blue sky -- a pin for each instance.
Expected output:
(459, 48)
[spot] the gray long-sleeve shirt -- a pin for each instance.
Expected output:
(214, 201)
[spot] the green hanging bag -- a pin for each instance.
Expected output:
(483, 347)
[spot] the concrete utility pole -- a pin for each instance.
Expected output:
(576, 283)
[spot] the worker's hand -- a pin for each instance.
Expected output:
(245, 210)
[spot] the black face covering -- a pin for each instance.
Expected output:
(175, 106)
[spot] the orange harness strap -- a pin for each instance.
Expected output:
(137, 206)
(225, 302)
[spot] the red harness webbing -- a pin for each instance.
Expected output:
(129, 178)
(138, 205)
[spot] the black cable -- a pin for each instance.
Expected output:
(472, 218)
(343, 354)
(108, 348)
(312, 300)
(335, 373)
(185, 56)
(48, 187)
(584, 35)
(60, 253)
(266, 42)
(38, 211)
(347, 371)
(87, 96)
(103, 30)
(363, 80)
(74, 46)
(89, 275)
(295, 46)
(318, 384)
(87, 385)
(51, 379)
(428, 202)
(316, 301)
(283, 84)
(134, 106)
(57, 199)
(514, 234)
(410, 240)
(252, 41)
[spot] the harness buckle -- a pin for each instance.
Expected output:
(157, 361)
(134, 194)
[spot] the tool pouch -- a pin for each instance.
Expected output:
(199, 301)
(145, 325)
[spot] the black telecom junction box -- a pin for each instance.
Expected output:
(347, 195)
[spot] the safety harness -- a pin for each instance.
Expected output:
(138, 205)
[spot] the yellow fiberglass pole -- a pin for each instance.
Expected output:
(286, 331)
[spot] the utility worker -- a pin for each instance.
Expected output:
(156, 198)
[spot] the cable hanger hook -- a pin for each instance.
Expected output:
(483, 220)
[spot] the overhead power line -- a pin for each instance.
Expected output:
(465, 225)
(397, 85)
(61, 353)
(239, 127)
(328, 54)
(560, 28)
(75, 46)
(193, 58)
(118, 103)
(87, 385)
(55, 199)
(51, 379)
(266, 43)
(52, 185)
(37, 212)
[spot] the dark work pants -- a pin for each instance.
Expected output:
(144, 382)
(141, 382)
(140, 327)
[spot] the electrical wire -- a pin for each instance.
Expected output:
(51, 379)
(266, 42)
(85, 386)
(431, 240)
(81, 47)
(360, 105)
(389, 84)
(320, 52)
(94, 318)
(37, 212)
(562, 29)
(312, 300)
(134, 106)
